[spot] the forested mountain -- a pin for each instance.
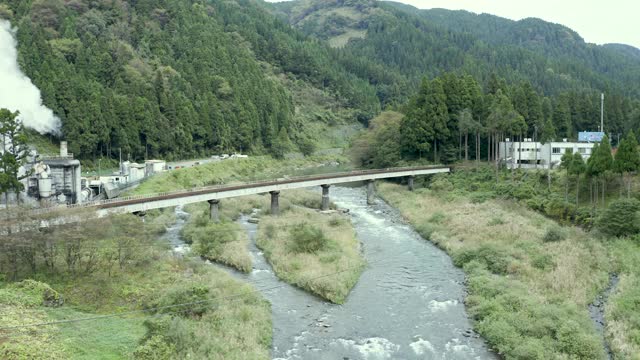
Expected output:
(395, 46)
(180, 78)
(415, 42)
(174, 78)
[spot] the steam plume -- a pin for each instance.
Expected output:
(17, 92)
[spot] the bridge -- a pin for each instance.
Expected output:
(139, 204)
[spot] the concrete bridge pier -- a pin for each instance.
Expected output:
(371, 192)
(275, 204)
(325, 197)
(214, 211)
(410, 182)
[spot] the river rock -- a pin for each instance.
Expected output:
(253, 220)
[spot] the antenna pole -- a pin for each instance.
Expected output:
(602, 112)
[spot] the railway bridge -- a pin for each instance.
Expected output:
(139, 204)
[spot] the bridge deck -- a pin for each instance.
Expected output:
(161, 200)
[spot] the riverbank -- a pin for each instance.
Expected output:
(529, 280)
(622, 312)
(125, 267)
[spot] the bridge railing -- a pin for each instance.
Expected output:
(213, 188)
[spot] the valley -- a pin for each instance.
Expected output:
(314, 179)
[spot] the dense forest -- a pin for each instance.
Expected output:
(173, 78)
(396, 45)
(453, 117)
(183, 78)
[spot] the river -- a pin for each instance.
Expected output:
(408, 303)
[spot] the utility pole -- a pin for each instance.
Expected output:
(602, 112)
(535, 142)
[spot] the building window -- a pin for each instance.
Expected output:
(557, 151)
(582, 150)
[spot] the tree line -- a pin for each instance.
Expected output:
(453, 113)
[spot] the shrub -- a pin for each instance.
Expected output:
(536, 203)
(307, 146)
(441, 183)
(497, 260)
(157, 326)
(554, 233)
(583, 216)
(557, 208)
(437, 217)
(307, 239)
(425, 230)
(209, 240)
(621, 218)
(197, 295)
(542, 261)
(156, 347)
(30, 293)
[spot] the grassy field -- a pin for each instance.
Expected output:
(124, 267)
(305, 247)
(230, 171)
(529, 280)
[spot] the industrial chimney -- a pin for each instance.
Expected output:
(63, 149)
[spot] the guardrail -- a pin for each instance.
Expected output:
(219, 187)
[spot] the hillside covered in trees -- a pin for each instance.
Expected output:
(184, 78)
(396, 45)
(175, 78)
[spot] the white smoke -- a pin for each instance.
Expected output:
(17, 92)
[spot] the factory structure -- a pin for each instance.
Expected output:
(57, 179)
(529, 154)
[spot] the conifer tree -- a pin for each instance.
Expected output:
(576, 169)
(627, 160)
(600, 163)
(566, 162)
(14, 154)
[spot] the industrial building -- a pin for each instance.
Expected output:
(56, 179)
(529, 154)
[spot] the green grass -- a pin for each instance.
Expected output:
(111, 338)
(227, 172)
(296, 261)
(224, 242)
(20, 304)
(527, 297)
(623, 309)
(147, 277)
